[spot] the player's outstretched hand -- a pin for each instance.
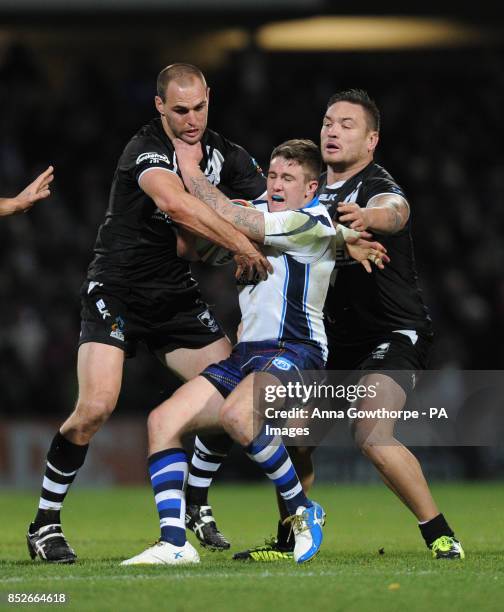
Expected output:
(187, 154)
(38, 190)
(353, 216)
(251, 265)
(365, 251)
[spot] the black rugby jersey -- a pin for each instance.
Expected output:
(136, 244)
(361, 305)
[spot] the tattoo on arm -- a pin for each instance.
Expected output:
(394, 219)
(395, 212)
(248, 220)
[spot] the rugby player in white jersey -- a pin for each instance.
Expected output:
(377, 325)
(282, 331)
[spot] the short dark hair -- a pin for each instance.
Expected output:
(361, 97)
(305, 152)
(175, 72)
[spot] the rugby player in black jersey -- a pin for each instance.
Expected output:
(138, 288)
(374, 322)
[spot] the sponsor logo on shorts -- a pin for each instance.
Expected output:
(102, 309)
(208, 321)
(282, 364)
(381, 350)
(152, 158)
(117, 329)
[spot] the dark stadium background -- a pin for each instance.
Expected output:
(76, 84)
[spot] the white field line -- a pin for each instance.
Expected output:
(170, 575)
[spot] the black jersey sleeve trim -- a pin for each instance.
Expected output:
(155, 168)
(398, 192)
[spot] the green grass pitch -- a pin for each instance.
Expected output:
(108, 525)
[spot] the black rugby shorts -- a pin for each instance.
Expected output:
(122, 317)
(403, 356)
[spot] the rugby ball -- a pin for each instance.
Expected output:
(213, 254)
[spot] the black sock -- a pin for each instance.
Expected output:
(209, 453)
(197, 496)
(63, 460)
(434, 529)
(283, 540)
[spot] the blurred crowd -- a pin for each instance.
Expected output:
(441, 116)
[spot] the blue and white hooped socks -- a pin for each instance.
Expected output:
(271, 455)
(168, 473)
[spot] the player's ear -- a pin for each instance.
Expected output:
(159, 105)
(373, 141)
(311, 188)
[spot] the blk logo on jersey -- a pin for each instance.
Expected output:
(208, 321)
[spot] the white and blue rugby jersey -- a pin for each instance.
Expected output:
(301, 247)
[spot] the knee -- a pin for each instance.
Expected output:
(370, 443)
(232, 421)
(90, 414)
(158, 421)
(228, 417)
(367, 447)
(154, 420)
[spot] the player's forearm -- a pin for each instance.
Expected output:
(247, 220)
(8, 206)
(387, 215)
(192, 215)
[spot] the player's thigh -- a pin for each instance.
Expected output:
(188, 363)
(195, 406)
(244, 404)
(388, 395)
(99, 371)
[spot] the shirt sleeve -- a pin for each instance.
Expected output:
(380, 186)
(243, 177)
(145, 154)
(297, 232)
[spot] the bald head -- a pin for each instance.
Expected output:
(183, 74)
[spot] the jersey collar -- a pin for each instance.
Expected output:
(337, 184)
(311, 204)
